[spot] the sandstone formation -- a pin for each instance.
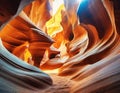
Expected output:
(80, 40)
(15, 74)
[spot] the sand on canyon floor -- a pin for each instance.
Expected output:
(60, 85)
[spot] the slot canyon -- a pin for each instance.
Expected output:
(59, 46)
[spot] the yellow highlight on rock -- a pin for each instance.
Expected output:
(53, 25)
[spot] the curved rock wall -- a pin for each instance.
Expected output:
(19, 34)
(85, 50)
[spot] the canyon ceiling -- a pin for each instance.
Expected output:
(74, 39)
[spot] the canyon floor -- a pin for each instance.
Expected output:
(60, 85)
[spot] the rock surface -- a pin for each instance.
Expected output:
(81, 41)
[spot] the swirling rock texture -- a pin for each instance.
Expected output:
(16, 75)
(81, 41)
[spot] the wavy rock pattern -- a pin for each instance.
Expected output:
(39, 10)
(93, 62)
(21, 73)
(87, 36)
(25, 32)
(16, 75)
(85, 47)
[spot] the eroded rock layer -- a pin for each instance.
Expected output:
(16, 75)
(80, 39)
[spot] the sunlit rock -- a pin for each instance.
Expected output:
(21, 74)
(16, 75)
(25, 32)
(75, 41)
(39, 11)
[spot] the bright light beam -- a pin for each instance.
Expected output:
(56, 5)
